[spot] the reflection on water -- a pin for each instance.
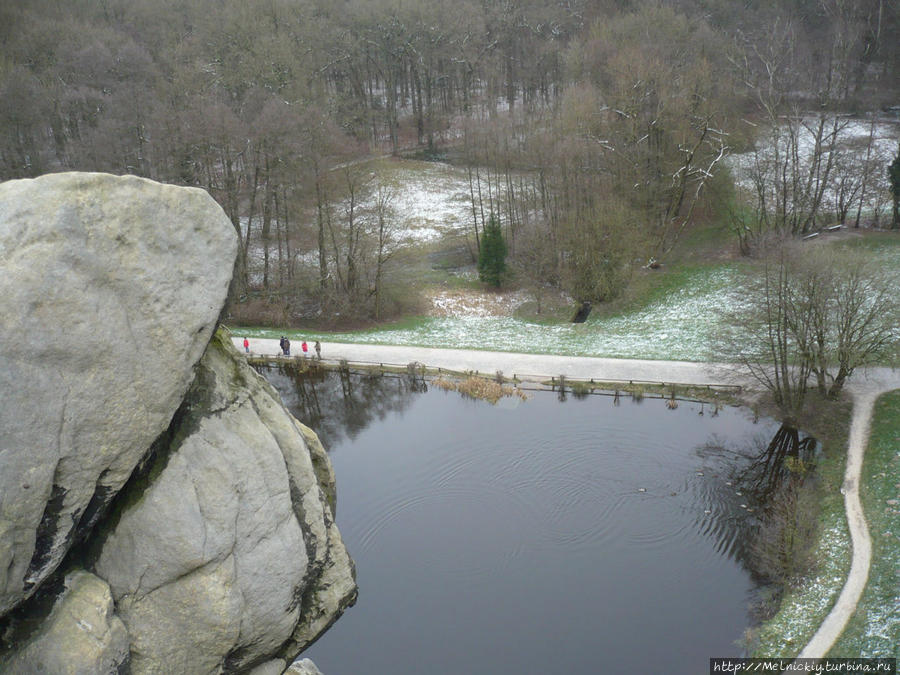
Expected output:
(338, 405)
(758, 471)
(595, 535)
(768, 468)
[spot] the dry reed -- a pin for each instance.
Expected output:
(479, 388)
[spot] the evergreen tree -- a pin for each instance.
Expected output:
(492, 256)
(894, 175)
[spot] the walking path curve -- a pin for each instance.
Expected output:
(865, 389)
(834, 623)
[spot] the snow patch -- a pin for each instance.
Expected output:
(468, 303)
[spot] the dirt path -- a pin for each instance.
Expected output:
(865, 389)
(833, 625)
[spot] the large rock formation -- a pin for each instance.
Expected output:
(220, 551)
(109, 292)
(249, 556)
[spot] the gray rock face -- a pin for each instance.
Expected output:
(110, 288)
(230, 556)
(274, 667)
(206, 510)
(82, 635)
(303, 667)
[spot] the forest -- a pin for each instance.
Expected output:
(595, 132)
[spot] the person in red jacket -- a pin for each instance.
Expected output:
(246, 345)
(304, 348)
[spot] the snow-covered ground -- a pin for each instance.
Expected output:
(431, 202)
(682, 326)
(427, 202)
(851, 153)
(454, 303)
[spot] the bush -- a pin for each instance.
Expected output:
(258, 312)
(782, 550)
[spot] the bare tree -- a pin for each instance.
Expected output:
(536, 261)
(816, 313)
(865, 315)
(383, 234)
(894, 176)
(767, 344)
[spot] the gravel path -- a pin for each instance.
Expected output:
(865, 389)
(523, 366)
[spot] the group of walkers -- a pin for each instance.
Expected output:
(286, 347)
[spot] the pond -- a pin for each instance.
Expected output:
(594, 534)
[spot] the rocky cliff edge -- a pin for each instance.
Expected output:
(160, 510)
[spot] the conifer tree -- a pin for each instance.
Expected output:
(894, 175)
(492, 256)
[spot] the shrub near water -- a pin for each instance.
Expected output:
(782, 550)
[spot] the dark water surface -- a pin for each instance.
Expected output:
(532, 537)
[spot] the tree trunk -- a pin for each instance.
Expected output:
(838, 384)
(320, 222)
(250, 215)
(266, 225)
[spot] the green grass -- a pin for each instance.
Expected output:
(702, 240)
(676, 314)
(447, 279)
(884, 247)
(650, 287)
(874, 629)
(553, 312)
(804, 607)
(883, 240)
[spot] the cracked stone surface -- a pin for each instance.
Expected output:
(81, 636)
(110, 288)
(230, 555)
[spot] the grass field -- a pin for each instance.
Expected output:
(675, 314)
